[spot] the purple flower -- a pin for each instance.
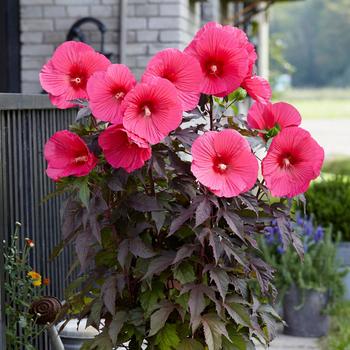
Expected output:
(319, 233)
(280, 250)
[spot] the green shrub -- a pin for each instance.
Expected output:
(338, 166)
(329, 202)
(339, 335)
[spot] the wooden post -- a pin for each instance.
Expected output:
(263, 46)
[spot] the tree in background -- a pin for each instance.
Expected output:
(315, 38)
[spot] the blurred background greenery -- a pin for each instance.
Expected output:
(309, 56)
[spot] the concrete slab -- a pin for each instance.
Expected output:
(285, 342)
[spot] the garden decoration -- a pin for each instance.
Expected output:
(309, 289)
(165, 202)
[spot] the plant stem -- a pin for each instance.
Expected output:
(211, 112)
(151, 180)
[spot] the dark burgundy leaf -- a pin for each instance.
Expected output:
(139, 249)
(159, 219)
(118, 180)
(196, 304)
(83, 246)
(186, 136)
(123, 251)
(185, 215)
(235, 223)
(109, 293)
(184, 252)
(203, 211)
(179, 165)
(143, 203)
(159, 264)
(159, 164)
(72, 213)
(120, 279)
(216, 245)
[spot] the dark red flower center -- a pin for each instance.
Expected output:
(78, 77)
(80, 160)
(220, 164)
(169, 75)
(286, 161)
(118, 92)
(214, 68)
(147, 109)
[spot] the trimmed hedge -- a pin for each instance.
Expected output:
(329, 202)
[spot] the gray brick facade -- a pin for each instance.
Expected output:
(151, 25)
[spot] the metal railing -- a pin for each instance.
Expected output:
(26, 122)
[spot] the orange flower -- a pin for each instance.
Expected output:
(34, 275)
(46, 281)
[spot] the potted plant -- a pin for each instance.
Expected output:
(164, 201)
(329, 201)
(308, 287)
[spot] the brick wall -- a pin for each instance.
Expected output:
(151, 26)
(45, 24)
(154, 25)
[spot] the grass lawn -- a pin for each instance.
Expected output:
(318, 103)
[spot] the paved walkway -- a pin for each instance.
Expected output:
(332, 135)
(284, 342)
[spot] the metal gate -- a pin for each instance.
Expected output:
(26, 122)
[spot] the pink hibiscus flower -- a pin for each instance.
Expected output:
(124, 149)
(152, 110)
(257, 87)
(223, 162)
(269, 116)
(66, 74)
(107, 90)
(292, 161)
(223, 54)
(67, 154)
(183, 70)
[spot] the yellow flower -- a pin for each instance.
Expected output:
(36, 278)
(37, 283)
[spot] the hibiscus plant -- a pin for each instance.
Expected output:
(165, 202)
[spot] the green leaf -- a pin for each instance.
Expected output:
(101, 342)
(149, 298)
(213, 328)
(237, 341)
(221, 279)
(167, 338)
(116, 325)
(184, 273)
(84, 192)
(239, 314)
(190, 344)
(95, 314)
